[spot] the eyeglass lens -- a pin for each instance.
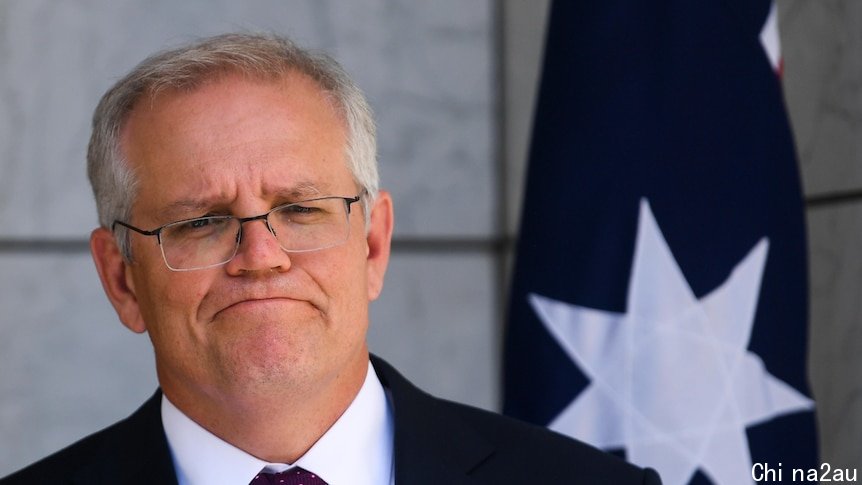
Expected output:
(214, 240)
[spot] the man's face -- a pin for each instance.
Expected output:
(267, 320)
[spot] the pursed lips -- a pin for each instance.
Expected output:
(287, 292)
(258, 300)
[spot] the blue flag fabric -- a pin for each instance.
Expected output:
(659, 298)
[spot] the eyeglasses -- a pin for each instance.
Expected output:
(206, 242)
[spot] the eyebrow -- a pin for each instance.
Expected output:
(187, 208)
(300, 191)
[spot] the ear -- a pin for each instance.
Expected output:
(379, 240)
(116, 280)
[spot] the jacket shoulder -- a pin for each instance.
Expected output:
(134, 447)
(554, 456)
(433, 436)
(68, 459)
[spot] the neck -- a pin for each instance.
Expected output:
(274, 425)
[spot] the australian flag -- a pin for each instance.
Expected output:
(659, 299)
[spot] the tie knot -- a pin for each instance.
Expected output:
(294, 476)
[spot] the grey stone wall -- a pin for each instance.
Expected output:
(822, 42)
(67, 367)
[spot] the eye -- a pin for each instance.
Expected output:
(200, 227)
(301, 213)
(199, 223)
(302, 209)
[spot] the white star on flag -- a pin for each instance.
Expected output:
(770, 40)
(671, 380)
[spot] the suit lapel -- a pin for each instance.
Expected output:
(134, 452)
(432, 444)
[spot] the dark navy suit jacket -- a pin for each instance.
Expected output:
(436, 442)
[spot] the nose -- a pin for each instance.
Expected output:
(258, 250)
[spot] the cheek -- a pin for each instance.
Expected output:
(352, 276)
(169, 301)
(354, 294)
(342, 277)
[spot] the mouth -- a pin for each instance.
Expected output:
(254, 305)
(276, 298)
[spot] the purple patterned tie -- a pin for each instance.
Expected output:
(294, 476)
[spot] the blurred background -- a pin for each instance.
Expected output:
(453, 85)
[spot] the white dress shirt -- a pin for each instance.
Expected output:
(356, 450)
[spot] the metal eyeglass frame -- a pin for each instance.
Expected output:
(349, 201)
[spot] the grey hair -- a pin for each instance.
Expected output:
(263, 56)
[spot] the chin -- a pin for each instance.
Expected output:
(269, 377)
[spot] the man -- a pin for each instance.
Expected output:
(242, 228)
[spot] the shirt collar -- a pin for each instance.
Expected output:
(356, 450)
